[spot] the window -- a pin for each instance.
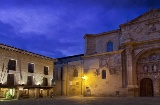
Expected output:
(75, 73)
(10, 79)
(30, 67)
(45, 70)
(29, 80)
(103, 74)
(12, 65)
(109, 46)
(45, 81)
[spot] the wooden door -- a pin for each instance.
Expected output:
(146, 87)
(10, 79)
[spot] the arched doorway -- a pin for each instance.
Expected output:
(146, 87)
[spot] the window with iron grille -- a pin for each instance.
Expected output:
(45, 70)
(12, 65)
(30, 67)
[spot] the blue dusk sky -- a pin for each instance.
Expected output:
(55, 28)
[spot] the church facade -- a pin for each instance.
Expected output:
(122, 62)
(126, 61)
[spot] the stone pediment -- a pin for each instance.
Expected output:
(151, 14)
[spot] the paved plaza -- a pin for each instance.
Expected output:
(86, 101)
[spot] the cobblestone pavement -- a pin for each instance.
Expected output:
(86, 101)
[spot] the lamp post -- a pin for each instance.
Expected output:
(83, 78)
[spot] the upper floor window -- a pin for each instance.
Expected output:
(109, 46)
(103, 74)
(45, 70)
(12, 64)
(75, 73)
(30, 67)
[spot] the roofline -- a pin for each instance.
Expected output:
(70, 56)
(100, 34)
(4, 46)
(109, 32)
(131, 21)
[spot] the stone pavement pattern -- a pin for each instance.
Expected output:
(86, 101)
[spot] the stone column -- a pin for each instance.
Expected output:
(156, 88)
(129, 62)
(64, 75)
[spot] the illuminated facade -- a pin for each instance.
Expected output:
(122, 62)
(126, 61)
(24, 74)
(68, 72)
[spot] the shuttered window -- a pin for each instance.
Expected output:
(45, 70)
(30, 67)
(12, 65)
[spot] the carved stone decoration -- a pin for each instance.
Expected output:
(153, 15)
(155, 77)
(152, 28)
(137, 29)
(154, 68)
(129, 50)
(145, 68)
(152, 57)
(97, 72)
(103, 62)
(144, 60)
(112, 71)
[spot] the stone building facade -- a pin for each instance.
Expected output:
(68, 72)
(126, 61)
(24, 74)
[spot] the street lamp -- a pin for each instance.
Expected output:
(84, 78)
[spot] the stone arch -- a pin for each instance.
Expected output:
(148, 68)
(137, 57)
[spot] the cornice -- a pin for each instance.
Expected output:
(109, 32)
(3, 46)
(136, 43)
(101, 34)
(133, 21)
(101, 54)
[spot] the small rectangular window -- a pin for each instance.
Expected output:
(12, 65)
(75, 73)
(30, 67)
(103, 74)
(46, 70)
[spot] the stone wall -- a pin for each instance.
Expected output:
(22, 61)
(112, 63)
